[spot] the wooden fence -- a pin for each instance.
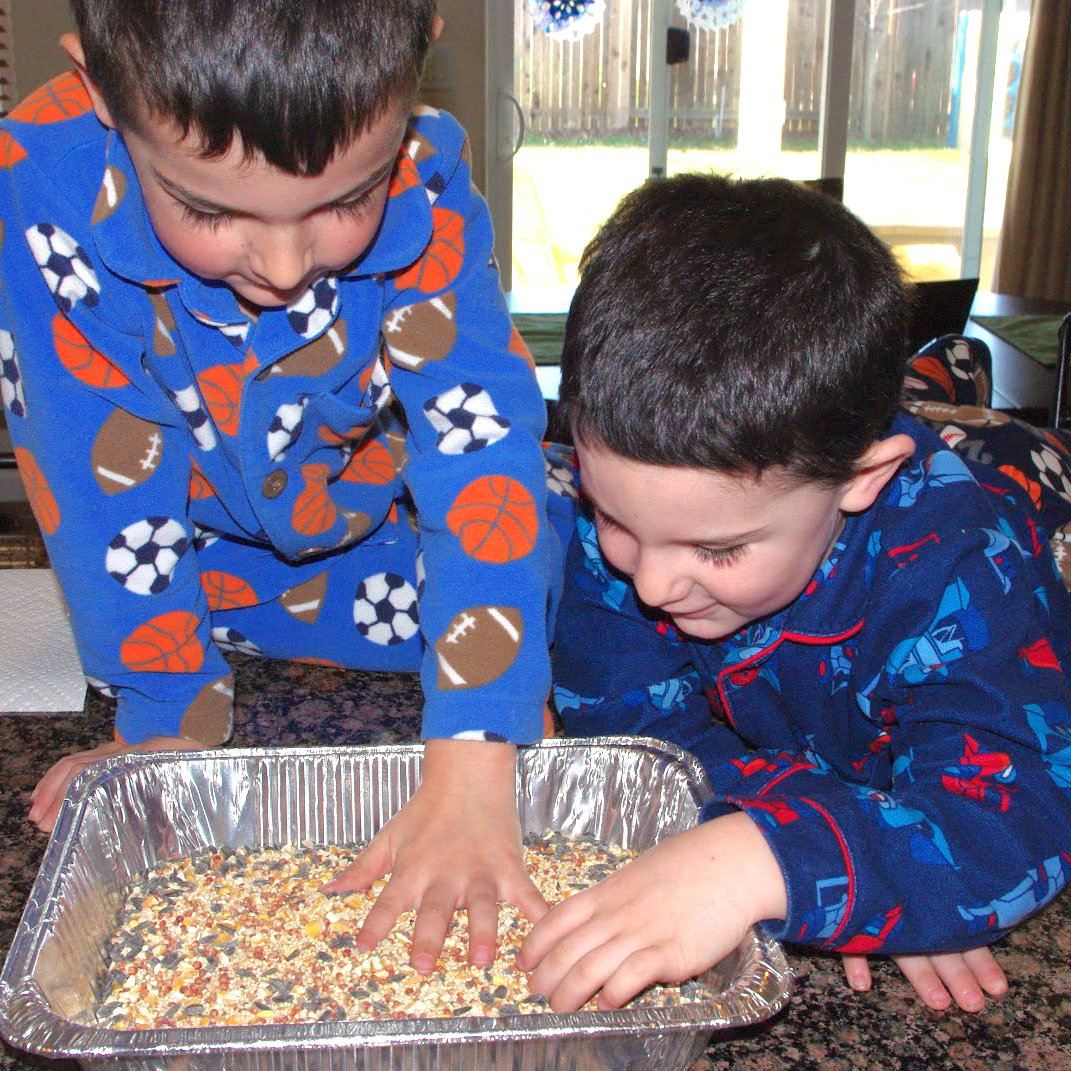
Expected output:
(901, 81)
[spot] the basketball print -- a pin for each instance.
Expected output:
(200, 488)
(478, 646)
(519, 348)
(440, 263)
(385, 609)
(126, 452)
(225, 591)
(11, 391)
(314, 511)
(66, 268)
(495, 520)
(405, 176)
(11, 152)
(64, 97)
(42, 501)
(164, 644)
(370, 463)
(221, 388)
(86, 364)
(426, 331)
(933, 369)
(144, 555)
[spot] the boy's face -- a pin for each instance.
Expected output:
(713, 551)
(265, 233)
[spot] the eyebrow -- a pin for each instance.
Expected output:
(180, 193)
(719, 541)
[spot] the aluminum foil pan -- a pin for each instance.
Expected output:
(125, 814)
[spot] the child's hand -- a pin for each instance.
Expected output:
(46, 798)
(456, 843)
(939, 979)
(673, 912)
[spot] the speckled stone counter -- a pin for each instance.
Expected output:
(825, 1027)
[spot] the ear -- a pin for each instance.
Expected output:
(436, 28)
(72, 45)
(875, 469)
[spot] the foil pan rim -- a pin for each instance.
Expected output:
(761, 990)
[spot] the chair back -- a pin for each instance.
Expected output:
(940, 307)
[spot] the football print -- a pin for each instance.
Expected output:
(110, 196)
(317, 358)
(126, 452)
(466, 419)
(67, 270)
(11, 377)
(478, 646)
(143, 556)
(385, 609)
(315, 309)
(306, 600)
(209, 717)
(285, 427)
(426, 331)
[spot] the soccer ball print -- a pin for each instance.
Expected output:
(11, 377)
(67, 270)
(466, 419)
(143, 556)
(385, 609)
(230, 639)
(315, 309)
(285, 427)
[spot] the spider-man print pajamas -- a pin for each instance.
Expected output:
(295, 486)
(900, 732)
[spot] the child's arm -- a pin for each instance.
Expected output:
(668, 915)
(474, 468)
(456, 844)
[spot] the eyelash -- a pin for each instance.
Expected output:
(709, 555)
(214, 220)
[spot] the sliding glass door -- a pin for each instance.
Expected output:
(909, 105)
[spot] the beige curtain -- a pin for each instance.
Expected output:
(1034, 254)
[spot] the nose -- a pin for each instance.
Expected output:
(281, 257)
(656, 583)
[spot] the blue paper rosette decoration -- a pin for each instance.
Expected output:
(566, 20)
(711, 14)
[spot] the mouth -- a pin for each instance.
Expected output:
(690, 615)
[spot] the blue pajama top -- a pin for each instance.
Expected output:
(900, 732)
(147, 408)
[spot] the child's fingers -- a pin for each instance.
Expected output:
(429, 931)
(526, 899)
(482, 909)
(857, 973)
(987, 971)
(372, 863)
(922, 974)
(585, 977)
(382, 916)
(633, 974)
(960, 981)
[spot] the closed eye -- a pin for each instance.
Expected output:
(720, 555)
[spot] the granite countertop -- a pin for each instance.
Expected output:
(826, 1026)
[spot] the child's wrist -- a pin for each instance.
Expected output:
(758, 878)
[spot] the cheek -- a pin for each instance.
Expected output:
(618, 550)
(202, 252)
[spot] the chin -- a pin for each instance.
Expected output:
(704, 629)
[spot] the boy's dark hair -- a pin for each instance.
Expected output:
(295, 80)
(735, 326)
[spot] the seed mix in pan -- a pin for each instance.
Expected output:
(241, 937)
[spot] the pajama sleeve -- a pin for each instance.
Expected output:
(475, 469)
(104, 467)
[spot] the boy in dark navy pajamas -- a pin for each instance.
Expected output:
(862, 636)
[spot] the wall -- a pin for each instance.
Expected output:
(36, 27)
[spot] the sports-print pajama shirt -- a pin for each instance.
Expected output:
(900, 732)
(355, 479)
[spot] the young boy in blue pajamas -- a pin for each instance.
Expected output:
(265, 397)
(862, 637)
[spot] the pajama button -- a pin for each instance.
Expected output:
(275, 484)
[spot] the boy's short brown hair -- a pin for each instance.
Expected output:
(294, 80)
